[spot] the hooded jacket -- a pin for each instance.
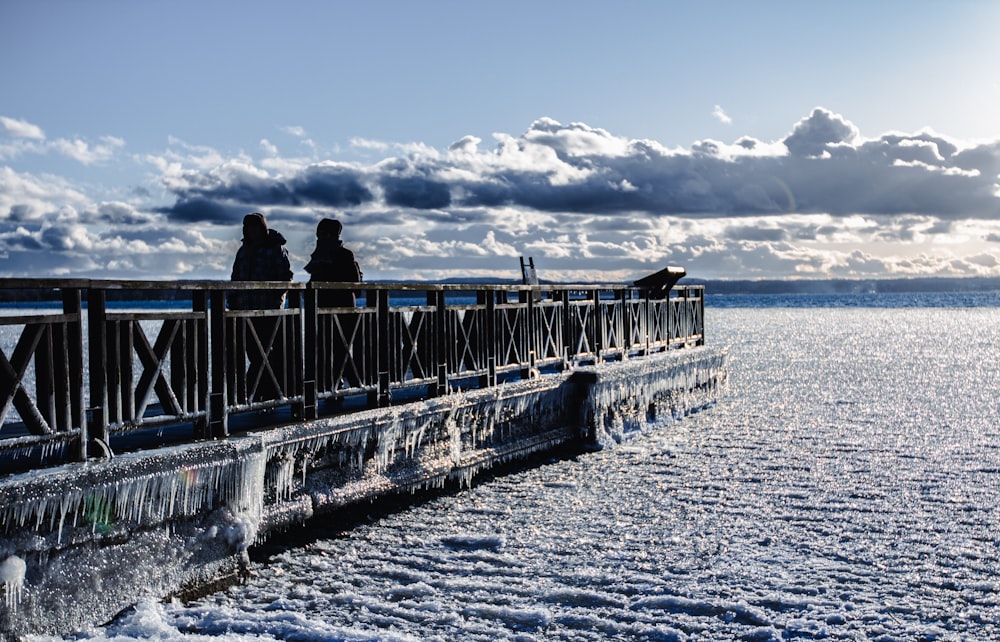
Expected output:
(331, 261)
(265, 261)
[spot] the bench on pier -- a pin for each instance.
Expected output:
(659, 283)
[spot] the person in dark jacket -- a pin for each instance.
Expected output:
(263, 257)
(331, 261)
(339, 366)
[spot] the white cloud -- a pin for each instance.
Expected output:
(21, 128)
(83, 152)
(374, 145)
(721, 115)
(268, 147)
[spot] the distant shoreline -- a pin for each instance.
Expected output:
(712, 286)
(847, 286)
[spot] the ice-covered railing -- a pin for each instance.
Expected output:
(106, 366)
(405, 448)
(622, 401)
(135, 490)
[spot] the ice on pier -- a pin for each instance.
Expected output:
(12, 576)
(134, 490)
(419, 445)
(629, 396)
(179, 515)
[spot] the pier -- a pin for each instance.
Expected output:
(151, 435)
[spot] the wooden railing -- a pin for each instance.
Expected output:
(110, 363)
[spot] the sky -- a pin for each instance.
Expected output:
(606, 140)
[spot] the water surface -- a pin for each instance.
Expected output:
(843, 489)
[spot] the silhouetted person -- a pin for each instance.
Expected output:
(262, 257)
(331, 261)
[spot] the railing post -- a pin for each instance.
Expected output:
(528, 298)
(701, 316)
(293, 364)
(97, 332)
(625, 317)
(491, 339)
(385, 348)
(441, 340)
(199, 303)
(675, 321)
(567, 328)
(647, 305)
(371, 350)
(72, 304)
(310, 398)
(600, 324)
(218, 418)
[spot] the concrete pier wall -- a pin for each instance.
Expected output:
(82, 542)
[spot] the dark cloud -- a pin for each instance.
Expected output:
(416, 192)
(205, 210)
(117, 214)
(330, 186)
(57, 238)
(22, 241)
(577, 169)
(225, 199)
(19, 212)
(242, 187)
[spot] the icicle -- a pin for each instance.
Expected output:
(12, 575)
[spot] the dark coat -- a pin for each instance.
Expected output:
(267, 261)
(333, 262)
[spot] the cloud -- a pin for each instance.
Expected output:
(821, 201)
(223, 194)
(28, 138)
(21, 129)
(721, 115)
(331, 185)
(294, 130)
(83, 152)
(416, 192)
(814, 135)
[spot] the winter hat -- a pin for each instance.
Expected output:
(329, 227)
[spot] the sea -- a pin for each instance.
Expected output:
(844, 487)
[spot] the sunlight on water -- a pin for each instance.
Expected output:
(844, 488)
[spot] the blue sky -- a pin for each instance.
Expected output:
(605, 139)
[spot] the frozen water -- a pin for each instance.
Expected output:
(844, 489)
(12, 576)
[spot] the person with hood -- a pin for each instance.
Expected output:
(262, 257)
(331, 261)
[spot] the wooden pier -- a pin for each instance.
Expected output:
(151, 435)
(102, 367)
